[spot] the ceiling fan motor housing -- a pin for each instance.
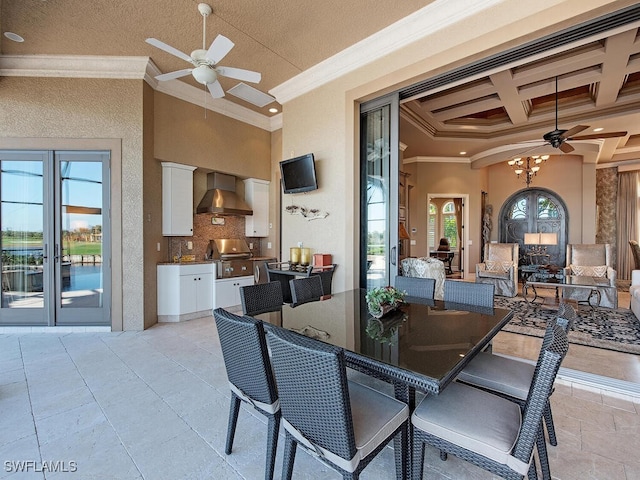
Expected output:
(204, 74)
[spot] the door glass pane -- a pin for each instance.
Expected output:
(22, 234)
(81, 272)
(376, 131)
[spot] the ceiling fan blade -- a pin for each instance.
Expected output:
(239, 74)
(219, 49)
(216, 89)
(172, 75)
(572, 131)
(596, 136)
(566, 148)
(169, 49)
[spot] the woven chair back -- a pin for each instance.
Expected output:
(416, 287)
(246, 358)
(479, 294)
(306, 289)
(313, 389)
(261, 298)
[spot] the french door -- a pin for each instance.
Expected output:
(54, 223)
(379, 192)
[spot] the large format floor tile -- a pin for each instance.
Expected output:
(154, 405)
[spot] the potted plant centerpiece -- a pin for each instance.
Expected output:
(382, 300)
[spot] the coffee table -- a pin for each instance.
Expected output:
(593, 285)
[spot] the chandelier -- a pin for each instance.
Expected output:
(527, 167)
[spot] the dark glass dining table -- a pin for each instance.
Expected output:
(423, 345)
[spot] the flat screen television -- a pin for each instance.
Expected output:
(299, 174)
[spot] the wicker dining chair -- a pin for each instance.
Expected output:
(306, 289)
(326, 275)
(485, 429)
(261, 298)
(342, 423)
(511, 378)
(416, 286)
(246, 358)
(480, 294)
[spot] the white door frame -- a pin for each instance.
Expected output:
(465, 223)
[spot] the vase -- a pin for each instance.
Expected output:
(384, 309)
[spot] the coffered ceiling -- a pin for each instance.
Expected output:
(507, 112)
(495, 115)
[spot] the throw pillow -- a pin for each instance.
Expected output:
(589, 271)
(491, 265)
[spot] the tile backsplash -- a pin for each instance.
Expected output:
(203, 231)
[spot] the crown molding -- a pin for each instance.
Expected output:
(420, 24)
(421, 159)
(128, 68)
(73, 66)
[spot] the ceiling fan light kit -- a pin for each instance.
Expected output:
(205, 62)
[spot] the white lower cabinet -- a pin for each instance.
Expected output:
(185, 291)
(228, 290)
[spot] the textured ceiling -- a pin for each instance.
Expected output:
(278, 38)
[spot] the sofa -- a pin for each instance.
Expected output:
(634, 291)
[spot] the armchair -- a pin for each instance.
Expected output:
(426, 267)
(500, 268)
(591, 260)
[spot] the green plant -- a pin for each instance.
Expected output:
(380, 296)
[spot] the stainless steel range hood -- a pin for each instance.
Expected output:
(221, 197)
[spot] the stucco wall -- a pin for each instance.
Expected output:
(65, 110)
(325, 120)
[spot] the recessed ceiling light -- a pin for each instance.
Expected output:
(14, 36)
(273, 110)
(463, 153)
(599, 129)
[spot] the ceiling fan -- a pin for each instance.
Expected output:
(557, 138)
(205, 62)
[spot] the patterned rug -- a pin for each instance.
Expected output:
(612, 329)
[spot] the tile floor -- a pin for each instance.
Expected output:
(154, 405)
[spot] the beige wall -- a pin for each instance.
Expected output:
(184, 135)
(564, 175)
(152, 210)
(325, 121)
(145, 127)
(443, 179)
(91, 113)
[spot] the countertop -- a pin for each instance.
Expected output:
(199, 262)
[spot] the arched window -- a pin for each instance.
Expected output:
(450, 224)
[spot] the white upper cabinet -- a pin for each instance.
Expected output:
(177, 199)
(256, 194)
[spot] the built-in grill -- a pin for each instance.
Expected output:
(232, 257)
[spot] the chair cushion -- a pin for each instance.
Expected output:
(375, 417)
(502, 252)
(475, 420)
(588, 254)
(589, 271)
(500, 374)
(493, 274)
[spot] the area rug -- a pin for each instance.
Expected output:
(612, 329)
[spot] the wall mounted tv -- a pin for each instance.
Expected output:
(298, 174)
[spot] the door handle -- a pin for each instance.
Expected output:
(45, 254)
(393, 256)
(56, 255)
